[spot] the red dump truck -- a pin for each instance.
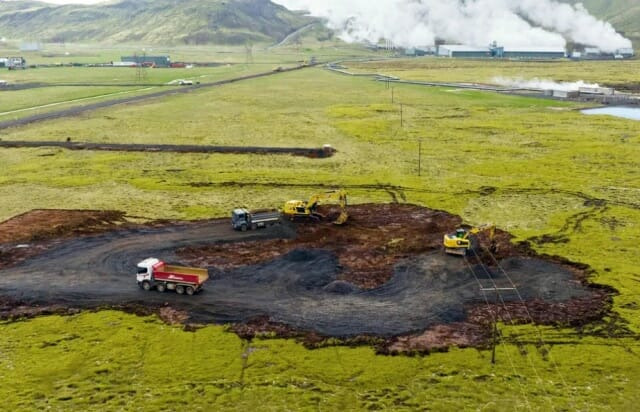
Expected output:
(154, 273)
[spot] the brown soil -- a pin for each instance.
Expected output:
(440, 338)
(46, 224)
(373, 240)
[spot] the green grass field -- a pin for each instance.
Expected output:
(100, 84)
(553, 171)
(485, 70)
(108, 83)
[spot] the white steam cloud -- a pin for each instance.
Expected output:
(543, 84)
(511, 23)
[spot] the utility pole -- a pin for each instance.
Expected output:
(248, 50)
(419, 157)
(493, 342)
(401, 115)
(495, 331)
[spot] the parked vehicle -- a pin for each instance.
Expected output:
(243, 219)
(154, 273)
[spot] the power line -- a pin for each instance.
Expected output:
(510, 318)
(526, 309)
(496, 335)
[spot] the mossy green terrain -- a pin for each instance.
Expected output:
(532, 167)
(486, 70)
(60, 85)
(64, 87)
(114, 361)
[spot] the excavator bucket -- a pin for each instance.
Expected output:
(342, 218)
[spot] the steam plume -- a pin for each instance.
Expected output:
(512, 23)
(543, 84)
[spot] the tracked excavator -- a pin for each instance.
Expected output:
(464, 240)
(309, 209)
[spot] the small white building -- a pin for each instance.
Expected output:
(566, 94)
(607, 91)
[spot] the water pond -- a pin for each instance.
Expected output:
(626, 112)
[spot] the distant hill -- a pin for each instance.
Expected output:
(232, 22)
(624, 15)
(151, 21)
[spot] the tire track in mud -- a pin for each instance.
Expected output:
(300, 289)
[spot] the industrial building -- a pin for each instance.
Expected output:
(495, 51)
(625, 53)
(593, 53)
(463, 51)
(531, 52)
(420, 51)
(150, 61)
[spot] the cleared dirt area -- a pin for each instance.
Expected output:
(44, 224)
(383, 276)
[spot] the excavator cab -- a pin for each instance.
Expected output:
(462, 241)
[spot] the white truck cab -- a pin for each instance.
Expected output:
(145, 269)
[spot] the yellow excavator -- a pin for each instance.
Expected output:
(308, 209)
(461, 242)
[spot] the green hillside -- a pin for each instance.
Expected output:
(151, 21)
(624, 15)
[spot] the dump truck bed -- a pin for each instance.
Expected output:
(166, 272)
(265, 215)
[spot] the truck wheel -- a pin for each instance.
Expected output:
(190, 291)
(254, 226)
(243, 228)
(180, 290)
(146, 285)
(161, 287)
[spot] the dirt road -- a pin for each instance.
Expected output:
(301, 288)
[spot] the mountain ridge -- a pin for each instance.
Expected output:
(175, 22)
(151, 21)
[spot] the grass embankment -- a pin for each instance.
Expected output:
(484, 71)
(530, 166)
